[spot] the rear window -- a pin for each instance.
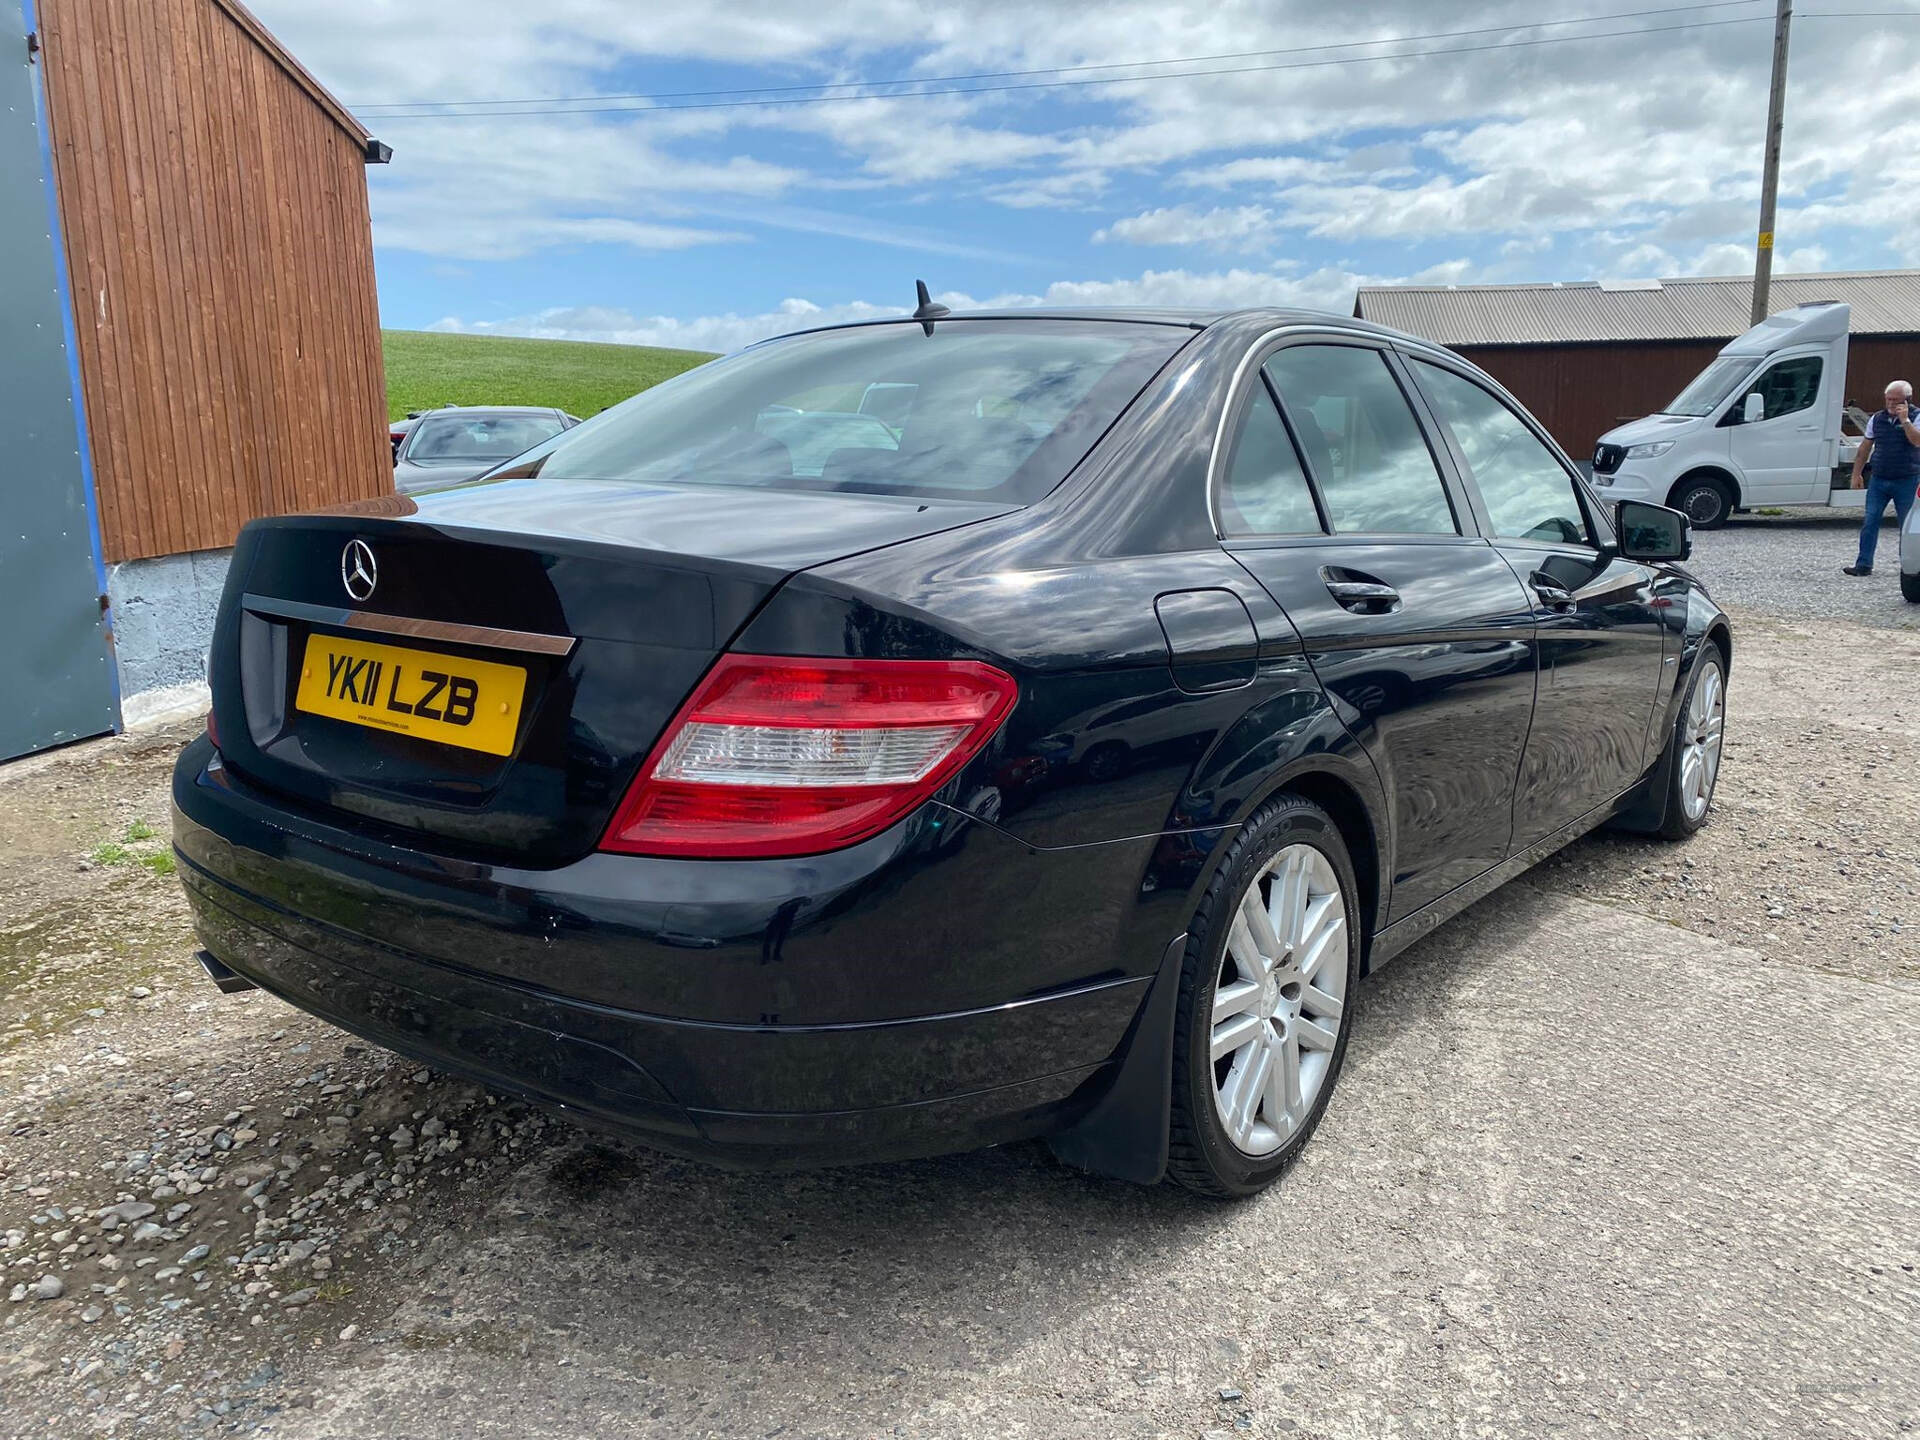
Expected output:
(469, 439)
(979, 410)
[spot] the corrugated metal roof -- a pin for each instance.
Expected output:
(1885, 302)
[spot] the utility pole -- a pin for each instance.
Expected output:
(1770, 176)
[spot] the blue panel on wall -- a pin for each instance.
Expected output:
(57, 679)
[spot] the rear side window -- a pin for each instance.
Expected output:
(978, 410)
(1266, 491)
(1362, 443)
(1529, 495)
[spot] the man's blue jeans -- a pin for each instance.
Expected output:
(1879, 494)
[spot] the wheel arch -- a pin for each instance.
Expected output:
(1343, 802)
(1126, 1134)
(1720, 633)
(1352, 798)
(1723, 473)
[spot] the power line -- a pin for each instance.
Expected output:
(654, 99)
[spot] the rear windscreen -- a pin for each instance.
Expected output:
(978, 410)
(470, 439)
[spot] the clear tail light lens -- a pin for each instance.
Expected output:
(774, 756)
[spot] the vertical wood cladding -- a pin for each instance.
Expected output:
(214, 209)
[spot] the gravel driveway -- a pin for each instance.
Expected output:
(1625, 1150)
(1789, 565)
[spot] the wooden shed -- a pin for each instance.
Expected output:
(1585, 357)
(199, 248)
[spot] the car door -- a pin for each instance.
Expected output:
(1779, 454)
(1602, 645)
(1333, 499)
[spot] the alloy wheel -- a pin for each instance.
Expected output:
(1278, 1000)
(1700, 740)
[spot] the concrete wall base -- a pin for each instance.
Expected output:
(162, 614)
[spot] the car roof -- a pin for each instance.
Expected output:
(492, 410)
(1188, 318)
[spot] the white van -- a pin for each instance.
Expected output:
(1761, 425)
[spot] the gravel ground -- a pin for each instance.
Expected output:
(1627, 1149)
(1789, 565)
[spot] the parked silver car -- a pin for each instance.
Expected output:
(444, 447)
(1910, 554)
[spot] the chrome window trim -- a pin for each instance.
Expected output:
(1255, 356)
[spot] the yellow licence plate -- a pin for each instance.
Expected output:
(474, 704)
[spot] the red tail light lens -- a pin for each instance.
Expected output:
(775, 756)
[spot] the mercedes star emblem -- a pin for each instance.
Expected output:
(358, 570)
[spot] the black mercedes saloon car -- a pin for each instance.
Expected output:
(1048, 749)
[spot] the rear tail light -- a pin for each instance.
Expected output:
(777, 756)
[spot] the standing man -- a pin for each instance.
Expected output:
(1893, 443)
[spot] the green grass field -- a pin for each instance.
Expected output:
(424, 370)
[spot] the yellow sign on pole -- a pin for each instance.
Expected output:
(1766, 239)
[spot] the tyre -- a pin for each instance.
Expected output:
(1106, 761)
(1265, 1001)
(1706, 500)
(1696, 741)
(1910, 586)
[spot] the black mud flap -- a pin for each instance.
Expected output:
(1125, 1135)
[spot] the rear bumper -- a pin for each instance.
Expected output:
(896, 1010)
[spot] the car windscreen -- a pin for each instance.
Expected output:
(478, 439)
(1711, 386)
(981, 410)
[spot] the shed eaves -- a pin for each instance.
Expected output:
(1885, 302)
(250, 25)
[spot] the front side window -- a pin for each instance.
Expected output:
(1789, 387)
(1266, 491)
(978, 410)
(1362, 443)
(1529, 496)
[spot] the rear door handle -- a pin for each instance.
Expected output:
(1362, 597)
(1552, 594)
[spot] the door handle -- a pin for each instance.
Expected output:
(1553, 595)
(1361, 596)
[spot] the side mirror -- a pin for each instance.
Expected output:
(1753, 408)
(1652, 532)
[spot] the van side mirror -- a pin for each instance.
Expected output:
(1753, 408)
(1652, 532)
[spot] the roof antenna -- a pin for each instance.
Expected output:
(928, 311)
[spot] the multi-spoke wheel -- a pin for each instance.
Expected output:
(1696, 744)
(1279, 998)
(1265, 1001)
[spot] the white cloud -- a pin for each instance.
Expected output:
(706, 332)
(1261, 169)
(1242, 228)
(1641, 148)
(506, 237)
(1329, 288)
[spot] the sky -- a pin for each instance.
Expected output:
(1211, 155)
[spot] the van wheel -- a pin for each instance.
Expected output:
(1703, 499)
(1266, 1001)
(1910, 586)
